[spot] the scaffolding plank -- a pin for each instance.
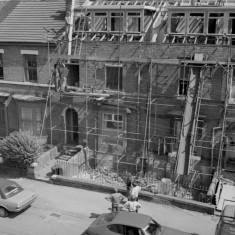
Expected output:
(121, 59)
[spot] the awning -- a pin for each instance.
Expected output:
(28, 98)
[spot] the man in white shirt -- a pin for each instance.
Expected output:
(135, 191)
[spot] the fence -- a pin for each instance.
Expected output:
(109, 178)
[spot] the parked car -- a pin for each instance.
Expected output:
(226, 224)
(129, 223)
(13, 198)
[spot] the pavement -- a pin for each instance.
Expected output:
(65, 210)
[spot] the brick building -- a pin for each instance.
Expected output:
(146, 80)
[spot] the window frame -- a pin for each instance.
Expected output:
(119, 84)
(180, 17)
(211, 17)
(28, 68)
(196, 15)
(136, 15)
(120, 15)
(184, 75)
(1, 66)
(104, 17)
(34, 122)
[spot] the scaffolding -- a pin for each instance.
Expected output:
(121, 101)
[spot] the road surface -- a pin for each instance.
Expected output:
(61, 210)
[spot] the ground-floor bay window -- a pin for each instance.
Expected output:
(30, 119)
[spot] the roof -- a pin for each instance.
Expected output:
(131, 219)
(5, 182)
(25, 21)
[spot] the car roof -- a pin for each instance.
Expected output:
(5, 182)
(131, 219)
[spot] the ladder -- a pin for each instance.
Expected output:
(81, 28)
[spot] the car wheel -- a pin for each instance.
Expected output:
(3, 212)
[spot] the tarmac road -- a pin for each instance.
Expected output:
(61, 210)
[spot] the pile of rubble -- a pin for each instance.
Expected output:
(101, 175)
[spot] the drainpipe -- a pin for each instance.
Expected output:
(71, 28)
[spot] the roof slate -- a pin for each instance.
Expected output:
(25, 21)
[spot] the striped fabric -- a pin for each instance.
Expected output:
(24, 21)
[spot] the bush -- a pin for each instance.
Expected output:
(20, 148)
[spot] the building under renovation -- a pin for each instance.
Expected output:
(146, 85)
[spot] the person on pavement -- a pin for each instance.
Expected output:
(132, 205)
(129, 185)
(115, 198)
(135, 191)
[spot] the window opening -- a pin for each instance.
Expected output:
(112, 126)
(31, 120)
(101, 21)
(1, 66)
(114, 77)
(196, 23)
(116, 21)
(178, 23)
(2, 116)
(216, 23)
(31, 68)
(184, 80)
(133, 22)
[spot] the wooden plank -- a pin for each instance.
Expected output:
(121, 59)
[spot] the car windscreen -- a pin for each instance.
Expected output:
(11, 190)
(153, 228)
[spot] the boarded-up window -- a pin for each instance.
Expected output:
(1, 66)
(31, 68)
(178, 23)
(114, 77)
(117, 21)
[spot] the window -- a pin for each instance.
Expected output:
(177, 129)
(113, 121)
(216, 23)
(2, 116)
(31, 120)
(178, 23)
(184, 80)
(116, 21)
(100, 21)
(196, 23)
(133, 22)
(1, 67)
(231, 23)
(117, 228)
(112, 128)
(114, 77)
(200, 128)
(30, 67)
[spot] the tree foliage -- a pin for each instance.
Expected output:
(21, 148)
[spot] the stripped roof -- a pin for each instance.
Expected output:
(26, 21)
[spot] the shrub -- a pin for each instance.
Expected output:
(20, 148)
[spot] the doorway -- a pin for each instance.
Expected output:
(71, 126)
